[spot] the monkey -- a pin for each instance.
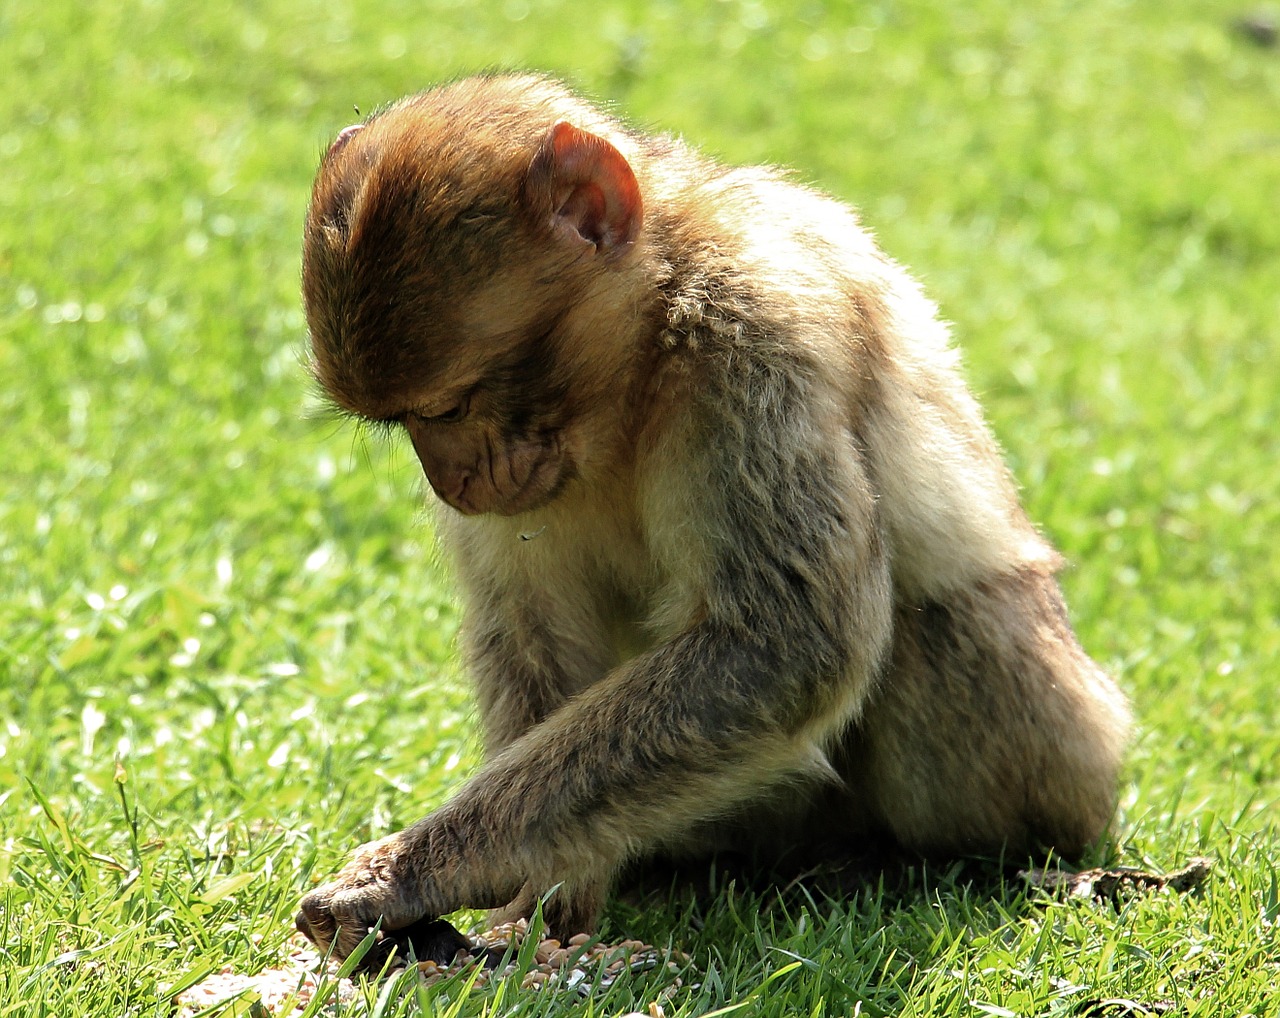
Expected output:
(739, 559)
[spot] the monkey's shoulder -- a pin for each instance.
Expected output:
(759, 267)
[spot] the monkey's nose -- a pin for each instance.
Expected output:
(454, 489)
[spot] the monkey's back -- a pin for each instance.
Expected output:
(851, 319)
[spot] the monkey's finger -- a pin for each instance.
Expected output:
(349, 936)
(314, 919)
(361, 906)
(338, 933)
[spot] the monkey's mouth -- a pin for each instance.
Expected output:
(545, 482)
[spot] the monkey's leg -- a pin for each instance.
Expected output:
(992, 726)
(566, 909)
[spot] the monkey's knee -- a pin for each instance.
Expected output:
(993, 728)
(1071, 803)
(953, 804)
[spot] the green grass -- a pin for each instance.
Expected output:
(224, 639)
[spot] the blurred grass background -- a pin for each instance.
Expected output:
(224, 638)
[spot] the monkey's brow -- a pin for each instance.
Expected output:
(329, 409)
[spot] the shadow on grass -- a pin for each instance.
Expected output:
(864, 930)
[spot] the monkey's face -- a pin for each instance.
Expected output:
(497, 444)
(475, 371)
(476, 468)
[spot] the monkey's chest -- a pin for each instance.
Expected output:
(626, 630)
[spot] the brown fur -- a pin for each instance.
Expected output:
(776, 547)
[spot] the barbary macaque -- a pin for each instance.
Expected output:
(741, 565)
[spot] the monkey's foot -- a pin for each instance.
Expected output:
(376, 886)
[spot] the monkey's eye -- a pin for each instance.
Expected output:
(451, 416)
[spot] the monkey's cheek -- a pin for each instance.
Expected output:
(541, 483)
(544, 484)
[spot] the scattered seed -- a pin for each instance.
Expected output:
(559, 958)
(534, 980)
(583, 965)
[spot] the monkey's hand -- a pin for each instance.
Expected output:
(381, 882)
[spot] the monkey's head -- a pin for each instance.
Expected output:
(459, 254)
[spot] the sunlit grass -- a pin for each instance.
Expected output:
(225, 641)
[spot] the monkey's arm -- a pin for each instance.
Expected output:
(790, 618)
(524, 659)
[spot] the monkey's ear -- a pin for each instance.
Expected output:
(588, 186)
(344, 136)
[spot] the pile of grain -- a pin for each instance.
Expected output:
(280, 991)
(581, 965)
